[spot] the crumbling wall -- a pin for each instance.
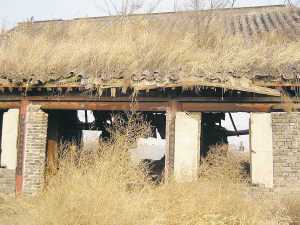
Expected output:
(35, 149)
(7, 180)
(286, 150)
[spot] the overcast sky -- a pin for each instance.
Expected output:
(12, 11)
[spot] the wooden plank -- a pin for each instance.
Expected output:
(277, 84)
(170, 139)
(235, 84)
(21, 145)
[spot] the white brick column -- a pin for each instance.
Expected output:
(187, 146)
(9, 139)
(35, 139)
(261, 149)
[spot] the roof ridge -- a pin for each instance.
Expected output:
(159, 13)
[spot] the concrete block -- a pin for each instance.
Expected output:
(9, 139)
(261, 145)
(187, 146)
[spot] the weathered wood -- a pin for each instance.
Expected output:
(226, 107)
(4, 99)
(52, 144)
(238, 85)
(233, 124)
(170, 138)
(21, 145)
(1, 124)
(9, 105)
(114, 106)
(230, 133)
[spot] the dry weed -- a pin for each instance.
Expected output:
(222, 164)
(103, 186)
(123, 47)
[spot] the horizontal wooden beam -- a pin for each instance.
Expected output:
(200, 105)
(226, 107)
(9, 105)
(231, 133)
(82, 98)
(114, 106)
(159, 106)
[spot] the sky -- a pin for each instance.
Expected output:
(13, 11)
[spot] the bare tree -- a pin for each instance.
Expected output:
(292, 2)
(126, 7)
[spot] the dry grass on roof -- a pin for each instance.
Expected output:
(122, 47)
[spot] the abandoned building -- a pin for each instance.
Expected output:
(40, 93)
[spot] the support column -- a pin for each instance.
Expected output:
(170, 139)
(286, 145)
(9, 129)
(21, 146)
(261, 149)
(52, 144)
(187, 146)
(31, 148)
(9, 139)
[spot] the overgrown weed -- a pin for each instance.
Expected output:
(103, 186)
(125, 46)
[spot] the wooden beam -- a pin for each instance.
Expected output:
(9, 105)
(233, 124)
(226, 107)
(1, 128)
(114, 106)
(230, 133)
(21, 145)
(52, 144)
(12, 100)
(170, 138)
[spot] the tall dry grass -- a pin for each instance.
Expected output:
(131, 45)
(104, 187)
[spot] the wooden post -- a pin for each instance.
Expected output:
(170, 138)
(1, 126)
(52, 144)
(21, 146)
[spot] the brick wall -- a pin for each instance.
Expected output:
(7, 181)
(35, 149)
(286, 150)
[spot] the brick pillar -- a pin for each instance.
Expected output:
(32, 148)
(286, 150)
(187, 146)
